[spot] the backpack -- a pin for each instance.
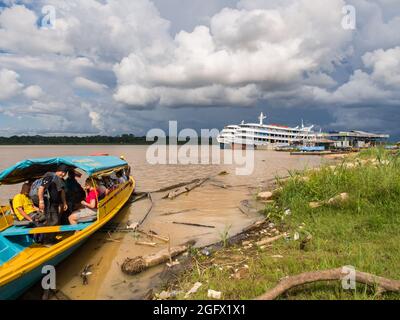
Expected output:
(35, 187)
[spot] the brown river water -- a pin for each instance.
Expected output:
(209, 204)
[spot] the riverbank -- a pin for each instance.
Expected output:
(319, 230)
(226, 202)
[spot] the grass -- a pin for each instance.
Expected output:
(224, 235)
(362, 232)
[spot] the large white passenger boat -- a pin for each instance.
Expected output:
(264, 136)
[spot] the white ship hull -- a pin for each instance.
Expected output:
(265, 137)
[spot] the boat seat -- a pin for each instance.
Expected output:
(87, 219)
(20, 230)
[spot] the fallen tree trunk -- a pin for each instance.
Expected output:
(174, 186)
(184, 189)
(140, 263)
(290, 282)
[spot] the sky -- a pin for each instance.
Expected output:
(122, 66)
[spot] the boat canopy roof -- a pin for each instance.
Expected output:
(37, 167)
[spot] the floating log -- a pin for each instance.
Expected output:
(285, 284)
(175, 186)
(222, 186)
(185, 189)
(176, 212)
(194, 224)
(152, 235)
(138, 196)
(223, 173)
(144, 243)
(140, 263)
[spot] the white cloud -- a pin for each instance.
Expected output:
(259, 49)
(89, 84)
(33, 92)
(9, 84)
(381, 84)
(385, 66)
(19, 33)
(288, 52)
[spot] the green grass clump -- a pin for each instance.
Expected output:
(362, 231)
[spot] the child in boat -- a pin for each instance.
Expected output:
(23, 206)
(90, 203)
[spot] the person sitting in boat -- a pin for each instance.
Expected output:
(101, 188)
(74, 193)
(121, 176)
(23, 206)
(114, 179)
(90, 203)
(108, 183)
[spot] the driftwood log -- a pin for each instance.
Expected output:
(175, 186)
(173, 194)
(383, 284)
(193, 224)
(140, 263)
(153, 235)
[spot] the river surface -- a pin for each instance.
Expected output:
(216, 203)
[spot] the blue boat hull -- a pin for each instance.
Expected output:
(17, 287)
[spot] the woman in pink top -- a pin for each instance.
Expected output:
(89, 210)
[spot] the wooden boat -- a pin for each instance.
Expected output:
(21, 259)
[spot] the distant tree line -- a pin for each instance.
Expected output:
(129, 139)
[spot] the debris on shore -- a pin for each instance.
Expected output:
(336, 200)
(138, 264)
(85, 273)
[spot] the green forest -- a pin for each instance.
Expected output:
(128, 139)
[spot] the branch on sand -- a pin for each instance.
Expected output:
(265, 241)
(383, 284)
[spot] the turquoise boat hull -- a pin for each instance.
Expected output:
(16, 288)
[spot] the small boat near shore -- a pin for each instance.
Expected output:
(21, 258)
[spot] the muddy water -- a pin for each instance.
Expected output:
(216, 203)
